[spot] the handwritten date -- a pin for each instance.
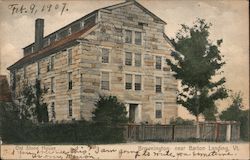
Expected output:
(34, 8)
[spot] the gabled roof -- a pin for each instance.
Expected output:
(129, 2)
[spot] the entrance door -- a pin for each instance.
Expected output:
(132, 109)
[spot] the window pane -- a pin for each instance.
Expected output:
(70, 108)
(128, 36)
(90, 21)
(105, 55)
(53, 113)
(138, 38)
(70, 83)
(128, 58)
(52, 59)
(137, 59)
(128, 82)
(52, 84)
(158, 84)
(158, 62)
(38, 68)
(69, 56)
(105, 76)
(158, 110)
(24, 72)
(105, 81)
(137, 82)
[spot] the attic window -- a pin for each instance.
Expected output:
(90, 21)
(69, 31)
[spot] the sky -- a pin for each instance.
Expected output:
(229, 18)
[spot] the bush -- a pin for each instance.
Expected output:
(181, 121)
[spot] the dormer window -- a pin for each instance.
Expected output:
(69, 31)
(82, 24)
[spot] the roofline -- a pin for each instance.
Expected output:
(51, 49)
(95, 11)
(89, 14)
(136, 3)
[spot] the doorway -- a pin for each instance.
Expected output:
(132, 112)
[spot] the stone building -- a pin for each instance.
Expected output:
(118, 50)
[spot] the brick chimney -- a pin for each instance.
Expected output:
(39, 29)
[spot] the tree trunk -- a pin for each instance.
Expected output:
(197, 127)
(197, 95)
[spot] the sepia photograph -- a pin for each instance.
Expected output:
(124, 79)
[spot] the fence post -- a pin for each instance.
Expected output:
(173, 132)
(217, 131)
(228, 133)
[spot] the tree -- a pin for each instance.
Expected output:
(109, 111)
(196, 63)
(235, 112)
(181, 121)
(32, 104)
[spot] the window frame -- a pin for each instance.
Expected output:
(108, 60)
(53, 112)
(135, 42)
(161, 78)
(52, 85)
(25, 72)
(70, 81)
(126, 35)
(161, 64)
(38, 69)
(155, 110)
(70, 108)
(138, 53)
(137, 83)
(125, 80)
(101, 80)
(125, 59)
(69, 56)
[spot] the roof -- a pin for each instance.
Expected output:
(5, 95)
(42, 53)
(45, 51)
(129, 2)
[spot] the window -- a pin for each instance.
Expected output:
(128, 36)
(158, 62)
(137, 82)
(38, 68)
(53, 113)
(24, 72)
(90, 21)
(128, 83)
(70, 108)
(105, 81)
(69, 56)
(70, 85)
(52, 59)
(158, 85)
(82, 24)
(158, 110)
(52, 85)
(138, 38)
(69, 31)
(137, 59)
(128, 58)
(105, 55)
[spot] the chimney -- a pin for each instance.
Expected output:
(39, 26)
